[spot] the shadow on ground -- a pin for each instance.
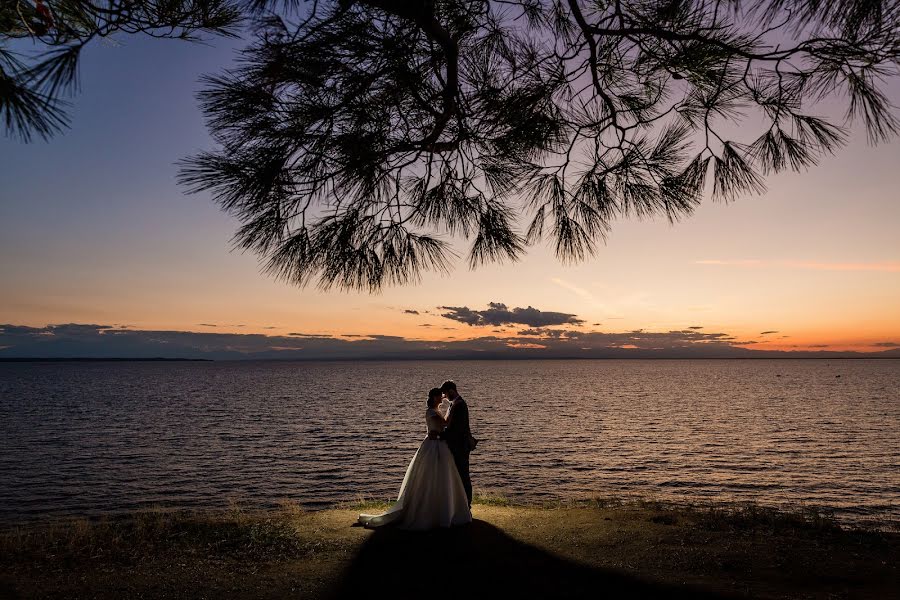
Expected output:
(478, 561)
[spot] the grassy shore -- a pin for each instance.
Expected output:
(598, 549)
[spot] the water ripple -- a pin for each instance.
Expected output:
(91, 438)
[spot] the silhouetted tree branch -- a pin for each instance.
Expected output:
(357, 138)
(31, 86)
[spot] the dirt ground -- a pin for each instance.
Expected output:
(625, 551)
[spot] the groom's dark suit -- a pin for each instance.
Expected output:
(457, 436)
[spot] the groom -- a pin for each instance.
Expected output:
(457, 434)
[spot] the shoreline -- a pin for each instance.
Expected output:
(631, 549)
(785, 511)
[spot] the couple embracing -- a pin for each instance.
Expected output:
(436, 491)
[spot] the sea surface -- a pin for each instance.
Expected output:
(103, 437)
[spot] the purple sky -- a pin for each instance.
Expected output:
(93, 229)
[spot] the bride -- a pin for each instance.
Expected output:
(432, 493)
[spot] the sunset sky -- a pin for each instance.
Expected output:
(94, 230)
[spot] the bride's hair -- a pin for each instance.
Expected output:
(434, 393)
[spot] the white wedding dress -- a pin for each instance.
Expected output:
(432, 493)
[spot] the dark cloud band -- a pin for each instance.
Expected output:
(103, 341)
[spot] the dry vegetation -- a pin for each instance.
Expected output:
(585, 549)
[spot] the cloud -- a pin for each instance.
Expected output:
(731, 263)
(409, 311)
(579, 291)
(312, 335)
(206, 325)
(888, 344)
(549, 333)
(890, 267)
(695, 327)
(78, 328)
(884, 266)
(21, 330)
(767, 332)
(102, 341)
(499, 314)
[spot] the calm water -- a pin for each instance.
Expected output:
(88, 438)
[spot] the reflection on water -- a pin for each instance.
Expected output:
(88, 438)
